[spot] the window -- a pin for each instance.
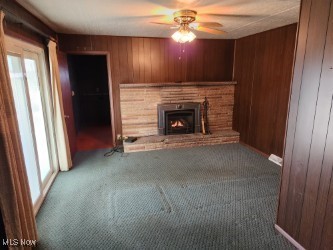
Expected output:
(31, 94)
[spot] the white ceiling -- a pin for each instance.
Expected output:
(133, 17)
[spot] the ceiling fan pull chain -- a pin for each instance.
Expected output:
(180, 51)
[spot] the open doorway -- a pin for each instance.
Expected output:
(91, 101)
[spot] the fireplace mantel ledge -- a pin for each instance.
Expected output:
(174, 84)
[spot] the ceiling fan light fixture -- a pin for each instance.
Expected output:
(184, 18)
(185, 21)
(183, 36)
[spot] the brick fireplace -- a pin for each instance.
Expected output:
(168, 115)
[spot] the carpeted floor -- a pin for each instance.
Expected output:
(215, 197)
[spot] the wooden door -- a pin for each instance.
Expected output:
(67, 101)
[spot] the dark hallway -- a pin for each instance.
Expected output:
(91, 101)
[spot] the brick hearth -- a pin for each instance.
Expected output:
(148, 143)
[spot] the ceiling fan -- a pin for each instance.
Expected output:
(185, 22)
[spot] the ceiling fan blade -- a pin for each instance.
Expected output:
(211, 31)
(138, 18)
(207, 24)
(161, 23)
(183, 4)
(227, 15)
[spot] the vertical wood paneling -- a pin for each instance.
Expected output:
(113, 46)
(293, 103)
(183, 62)
(76, 42)
(178, 56)
(324, 205)
(263, 69)
(283, 91)
(191, 74)
(318, 144)
(271, 84)
(155, 60)
(171, 62)
(326, 172)
(263, 105)
(99, 43)
(226, 58)
(123, 59)
(218, 59)
(166, 60)
(306, 203)
(244, 73)
(327, 236)
(306, 113)
(136, 63)
(130, 60)
(147, 59)
(161, 60)
(141, 60)
(199, 60)
(209, 62)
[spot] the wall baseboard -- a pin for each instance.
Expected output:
(289, 238)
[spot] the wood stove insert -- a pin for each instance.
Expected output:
(183, 118)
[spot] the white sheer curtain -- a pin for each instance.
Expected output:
(63, 150)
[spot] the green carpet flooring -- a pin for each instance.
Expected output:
(214, 197)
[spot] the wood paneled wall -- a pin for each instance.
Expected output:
(151, 60)
(263, 69)
(306, 198)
